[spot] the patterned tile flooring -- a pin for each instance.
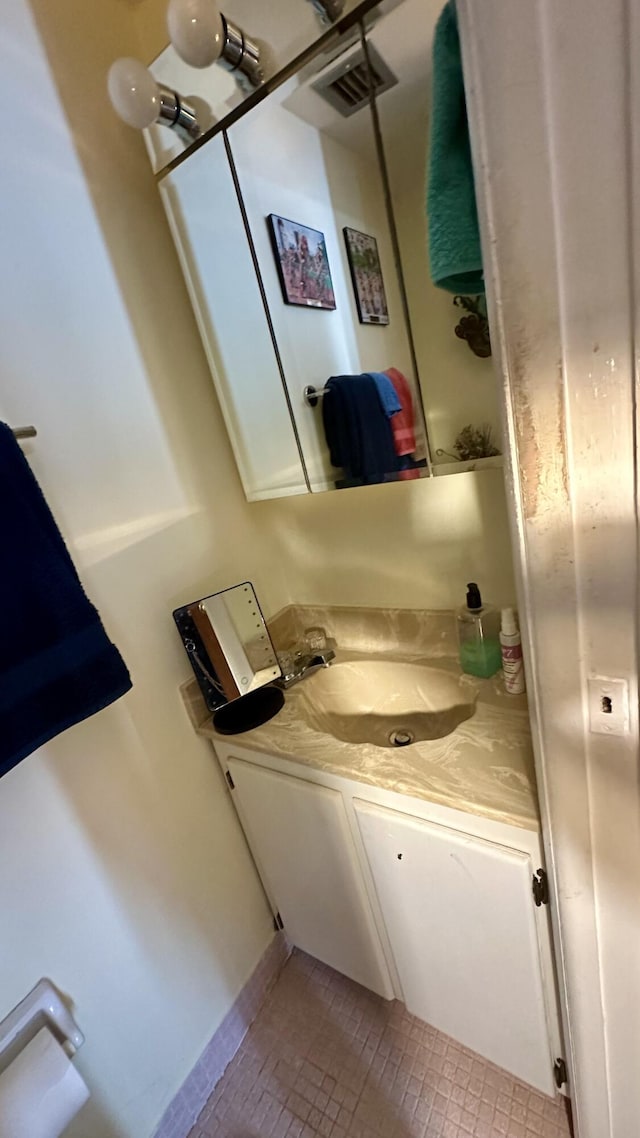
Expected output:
(328, 1058)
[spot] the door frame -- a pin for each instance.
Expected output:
(553, 107)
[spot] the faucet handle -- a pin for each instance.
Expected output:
(316, 639)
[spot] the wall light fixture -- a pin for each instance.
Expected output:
(140, 101)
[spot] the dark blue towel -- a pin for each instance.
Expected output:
(57, 665)
(357, 429)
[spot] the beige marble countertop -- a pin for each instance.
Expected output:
(484, 767)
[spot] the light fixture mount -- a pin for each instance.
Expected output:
(239, 53)
(178, 114)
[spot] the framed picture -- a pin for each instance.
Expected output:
(303, 264)
(366, 277)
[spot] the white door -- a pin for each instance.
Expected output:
(461, 920)
(299, 835)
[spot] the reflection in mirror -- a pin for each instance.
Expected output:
(450, 332)
(307, 261)
(308, 171)
(282, 31)
(231, 653)
(207, 222)
(242, 635)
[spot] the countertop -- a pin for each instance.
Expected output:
(484, 767)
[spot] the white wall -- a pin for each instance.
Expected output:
(404, 544)
(123, 874)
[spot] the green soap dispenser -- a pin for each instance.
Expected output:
(479, 635)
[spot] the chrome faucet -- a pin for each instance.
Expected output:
(304, 665)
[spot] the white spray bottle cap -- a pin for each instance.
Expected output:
(509, 623)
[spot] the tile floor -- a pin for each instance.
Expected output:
(328, 1058)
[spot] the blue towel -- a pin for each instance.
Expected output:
(358, 431)
(57, 665)
(387, 392)
(454, 236)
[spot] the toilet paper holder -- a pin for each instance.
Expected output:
(42, 1007)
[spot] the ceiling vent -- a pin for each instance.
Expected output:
(346, 86)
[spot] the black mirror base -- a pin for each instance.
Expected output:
(249, 711)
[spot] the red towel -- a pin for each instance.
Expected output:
(404, 438)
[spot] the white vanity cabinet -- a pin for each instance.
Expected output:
(411, 899)
(465, 936)
(301, 841)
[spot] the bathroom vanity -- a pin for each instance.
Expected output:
(413, 870)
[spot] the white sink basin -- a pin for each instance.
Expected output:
(383, 702)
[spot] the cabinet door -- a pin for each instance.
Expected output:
(299, 835)
(225, 294)
(461, 920)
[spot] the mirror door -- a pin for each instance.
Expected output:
(314, 196)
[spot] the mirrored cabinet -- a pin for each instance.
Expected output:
(300, 220)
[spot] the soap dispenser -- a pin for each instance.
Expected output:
(478, 635)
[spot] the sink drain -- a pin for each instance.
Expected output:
(401, 737)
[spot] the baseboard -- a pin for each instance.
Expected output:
(183, 1110)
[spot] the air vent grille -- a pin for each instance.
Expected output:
(346, 87)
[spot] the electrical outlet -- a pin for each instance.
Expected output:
(608, 705)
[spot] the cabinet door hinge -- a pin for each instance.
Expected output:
(540, 888)
(278, 923)
(560, 1072)
(227, 775)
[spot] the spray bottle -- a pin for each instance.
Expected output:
(511, 647)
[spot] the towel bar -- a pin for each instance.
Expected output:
(313, 394)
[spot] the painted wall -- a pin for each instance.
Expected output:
(410, 545)
(123, 873)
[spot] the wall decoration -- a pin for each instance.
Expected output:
(474, 328)
(303, 264)
(366, 276)
(472, 443)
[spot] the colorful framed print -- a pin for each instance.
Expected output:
(366, 277)
(302, 262)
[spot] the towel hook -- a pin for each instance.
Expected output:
(24, 432)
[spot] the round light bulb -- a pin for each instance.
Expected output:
(134, 93)
(196, 30)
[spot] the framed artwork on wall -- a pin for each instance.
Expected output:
(366, 277)
(302, 262)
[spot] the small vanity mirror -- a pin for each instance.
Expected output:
(232, 656)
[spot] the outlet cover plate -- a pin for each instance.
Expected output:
(612, 693)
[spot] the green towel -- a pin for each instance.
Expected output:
(454, 238)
